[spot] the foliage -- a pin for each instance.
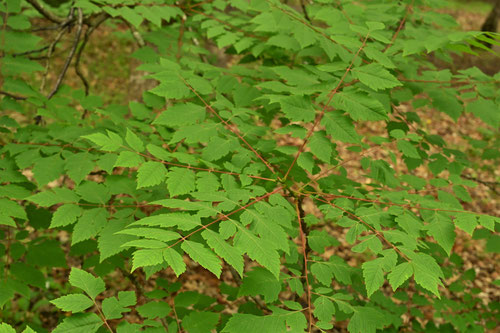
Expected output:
(259, 106)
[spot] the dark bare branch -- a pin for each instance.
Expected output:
(70, 55)
(45, 13)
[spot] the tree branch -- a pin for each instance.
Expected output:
(45, 13)
(70, 56)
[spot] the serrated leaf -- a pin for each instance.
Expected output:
(375, 77)
(133, 141)
(93, 286)
(174, 260)
(89, 224)
(427, 272)
(324, 309)
(466, 222)
(153, 233)
(128, 159)
(260, 250)
(340, 127)
(366, 320)
(183, 221)
(297, 108)
(151, 174)
(80, 323)
(400, 274)
(227, 252)
(107, 143)
(203, 256)
(147, 257)
(180, 181)
(78, 166)
(73, 302)
(65, 215)
(200, 322)
(359, 106)
(181, 114)
(321, 147)
(443, 231)
(260, 281)
(153, 310)
(373, 275)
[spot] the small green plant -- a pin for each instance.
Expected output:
(282, 150)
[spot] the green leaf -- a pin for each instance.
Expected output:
(180, 181)
(466, 222)
(65, 215)
(321, 147)
(400, 274)
(89, 224)
(133, 141)
(227, 252)
(110, 142)
(93, 286)
(183, 221)
(486, 110)
(203, 256)
(218, 148)
(366, 320)
(427, 272)
(258, 249)
(374, 275)
(80, 323)
(260, 281)
(73, 302)
(6, 328)
(340, 127)
(147, 257)
(181, 114)
(174, 260)
(78, 166)
(153, 310)
(48, 169)
(297, 108)
(359, 106)
(200, 322)
(443, 231)
(128, 159)
(336, 266)
(151, 174)
(113, 308)
(324, 309)
(375, 77)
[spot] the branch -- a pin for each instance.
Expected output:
(19, 98)
(70, 56)
(45, 13)
(230, 126)
(89, 32)
(318, 119)
(305, 250)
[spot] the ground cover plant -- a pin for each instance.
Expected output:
(270, 139)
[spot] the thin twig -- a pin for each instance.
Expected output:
(70, 56)
(231, 127)
(19, 98)
(304, 10)
(226, 216)
(86, 37)
(409, 9)
(135, 34)
(31, 52)
(303, 240)
(45, 13)
(320, 116)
